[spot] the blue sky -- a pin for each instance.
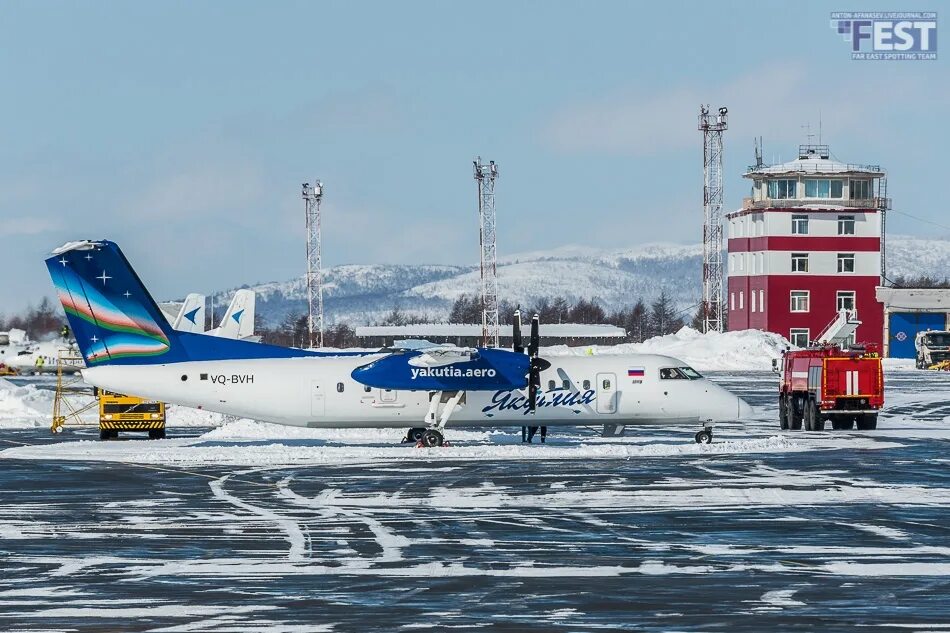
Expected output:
(183, 130)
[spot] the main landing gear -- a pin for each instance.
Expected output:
(432, 434)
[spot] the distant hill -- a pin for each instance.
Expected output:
(613, 278)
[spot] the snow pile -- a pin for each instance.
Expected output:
(22, 407)
(177, 415)
(750, 350)
(245, 429)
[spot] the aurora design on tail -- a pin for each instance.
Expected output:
(117, 322)
(106, 311)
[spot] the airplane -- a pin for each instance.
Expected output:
(130, 348)
(238, 320)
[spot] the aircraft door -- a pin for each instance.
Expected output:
(606, 393)
(318, 400)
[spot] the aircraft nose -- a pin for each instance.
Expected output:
(745, 410)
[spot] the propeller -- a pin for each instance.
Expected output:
(535, 365)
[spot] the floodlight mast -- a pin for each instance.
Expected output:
(485, 176)
(712, 127)
(312, 196)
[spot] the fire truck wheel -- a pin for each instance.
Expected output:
(813, 419)
(783, 413)
(796, 414)
(104, 434)
(867, 422)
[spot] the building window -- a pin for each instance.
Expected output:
(859, 190)
(732, 301)
(799, 262)
(845, 225)
(752, 301)
(798, 337)
(845, 300)
(741, 297)
(799, 301)
(822, 188)
(845, 262)
(761, 301)
(799, 225)
(782, 189)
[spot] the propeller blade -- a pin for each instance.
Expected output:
(534, 367)
(532, 393)
(516, 343)
(534, 343)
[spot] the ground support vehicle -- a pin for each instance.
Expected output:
(827, 383)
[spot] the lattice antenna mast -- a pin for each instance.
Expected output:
(312, 196)
(712, 127)
(485, 176)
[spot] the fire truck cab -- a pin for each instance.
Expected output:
(825, 383)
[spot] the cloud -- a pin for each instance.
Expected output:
(773, 100)
(198, 191)
(25, 226)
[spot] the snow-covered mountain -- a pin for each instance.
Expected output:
(613, 278)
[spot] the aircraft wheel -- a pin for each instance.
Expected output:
(704, 436)
(431, 438)
(413, 435)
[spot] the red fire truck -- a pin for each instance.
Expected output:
(828, 383)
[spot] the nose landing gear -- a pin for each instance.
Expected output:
(705, 436)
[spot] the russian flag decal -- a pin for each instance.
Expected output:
(636, 372)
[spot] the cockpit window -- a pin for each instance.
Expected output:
(691, 373)
(671, 373)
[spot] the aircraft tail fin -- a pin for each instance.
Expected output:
(112, 315)
(238, 321)
(191, 316)
(117, 322)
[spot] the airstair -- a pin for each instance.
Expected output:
(841, 330)
(72, 397)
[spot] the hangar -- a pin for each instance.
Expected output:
(908, 311)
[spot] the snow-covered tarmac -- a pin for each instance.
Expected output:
(251, 527)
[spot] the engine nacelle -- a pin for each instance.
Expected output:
(488, 370)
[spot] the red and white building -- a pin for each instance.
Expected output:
(805, 245)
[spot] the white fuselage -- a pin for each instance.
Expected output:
(319, 392)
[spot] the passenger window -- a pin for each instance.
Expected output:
(339, 387)
(586, 385)
(367, 388)
(606, 384)
(550, 385)
(566, 384)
